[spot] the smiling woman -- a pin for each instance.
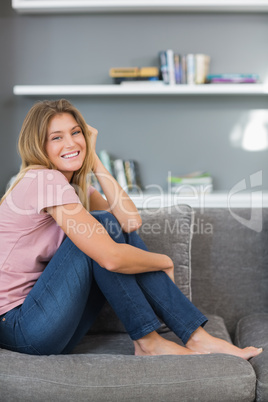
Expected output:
(64, 249)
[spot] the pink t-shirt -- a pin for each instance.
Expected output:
(29, 237)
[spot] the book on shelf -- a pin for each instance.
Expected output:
(164, 73)
(119, 173)
(133, 71)
(132, 176)
(106, 160)
(126, 172)
(136, 80)
(190, 69)
(233, 78)
(134, 74)
(191, 183)
(171, 67)
(183, 69)
(177, 68)
(202, 63)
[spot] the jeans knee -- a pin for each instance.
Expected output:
(102, 214)
(105, 217)
(77, 259)
(109, 221)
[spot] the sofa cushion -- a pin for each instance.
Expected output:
(167, 231)
(229, 263)
(103, 369)
(252, 330)
(109, 378)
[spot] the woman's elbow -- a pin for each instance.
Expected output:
(138, 223)
(132, 225)
(112, 261)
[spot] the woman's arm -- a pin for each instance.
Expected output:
(118, 202)
(92, 238)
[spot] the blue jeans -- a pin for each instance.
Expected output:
(68, 296)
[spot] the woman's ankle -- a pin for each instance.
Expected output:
(154, 345)
(146, 344)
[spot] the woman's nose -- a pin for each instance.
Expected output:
(69, 141)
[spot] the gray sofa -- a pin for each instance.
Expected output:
(221, 261)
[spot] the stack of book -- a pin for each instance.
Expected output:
(175, 68)
(233, 78)
(125, 172)
(192, 183)
(183, 69)
(126, 75)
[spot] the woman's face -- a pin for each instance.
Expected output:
(65, 144)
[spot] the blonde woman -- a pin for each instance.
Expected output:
(64, 249)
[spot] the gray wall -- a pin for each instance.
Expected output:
(177, 134)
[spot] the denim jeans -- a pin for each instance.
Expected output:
(68, 296)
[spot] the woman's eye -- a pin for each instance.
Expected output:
(55, 138)
(76, 132)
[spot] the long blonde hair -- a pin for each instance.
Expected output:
(32, 141)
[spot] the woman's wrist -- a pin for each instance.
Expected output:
(170, 272)
(96, 163)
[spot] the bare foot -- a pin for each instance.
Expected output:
(153, 344)
(201, 341)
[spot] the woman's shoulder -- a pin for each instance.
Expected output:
(48, 188)
(40, 182)
(44, 176)
(50, 174)
(40, 188)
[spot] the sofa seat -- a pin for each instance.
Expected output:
(104, 367)
(253, 330)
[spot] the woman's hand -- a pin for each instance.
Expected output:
(170, 273)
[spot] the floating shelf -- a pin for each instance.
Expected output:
(98, 6)
(116, 90)
(202, 201)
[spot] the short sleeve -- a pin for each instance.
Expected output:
(49, 188)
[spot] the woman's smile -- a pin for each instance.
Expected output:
(71, 155)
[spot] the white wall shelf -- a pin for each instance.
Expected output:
(91, 6)
(202, 201)
(116, 90)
